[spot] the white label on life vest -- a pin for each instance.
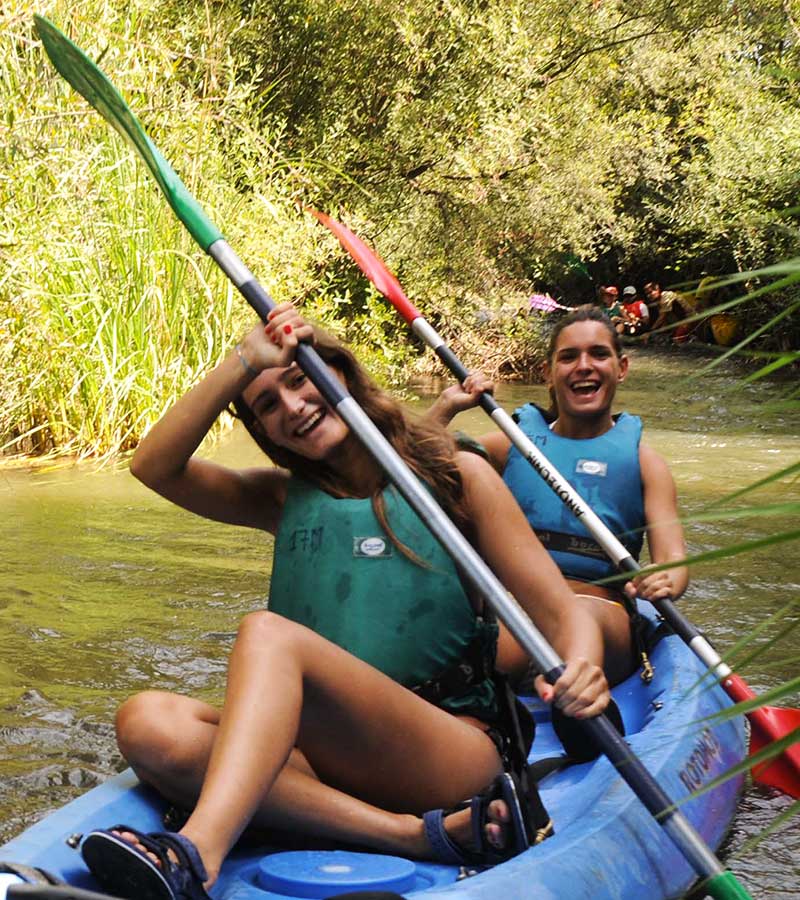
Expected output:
(370, 546)
(591, 467)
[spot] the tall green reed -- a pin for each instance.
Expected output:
(111, 315)
(108, 310)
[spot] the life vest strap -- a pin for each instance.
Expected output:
(475, 666)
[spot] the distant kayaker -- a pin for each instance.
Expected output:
(624, 481)
(670, 309)
(635, 315)
(608, 297)
(350, 708)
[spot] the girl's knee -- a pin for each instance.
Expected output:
(267, 629)
(147, 726)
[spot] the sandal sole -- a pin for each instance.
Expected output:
(122, 870)
(508, 792)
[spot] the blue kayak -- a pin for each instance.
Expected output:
(606, 845)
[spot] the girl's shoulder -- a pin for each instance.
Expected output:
(472, 465)
(480, 480)
(652, 464)
(474, 469)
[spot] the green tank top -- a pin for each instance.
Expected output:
(337, 572)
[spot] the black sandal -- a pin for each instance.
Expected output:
(523, 831)
(125, 871)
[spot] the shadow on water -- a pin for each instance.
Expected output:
(106, 590)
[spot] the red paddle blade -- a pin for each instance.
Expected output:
(769, 724)
(782, 772)
(371, 265)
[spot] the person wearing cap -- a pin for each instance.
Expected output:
(635, 315)
(608, 297)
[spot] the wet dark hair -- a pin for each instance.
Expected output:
(428, 449)
(586, 313)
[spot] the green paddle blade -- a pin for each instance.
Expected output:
(92, 84)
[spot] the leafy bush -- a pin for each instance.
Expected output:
(483, 151)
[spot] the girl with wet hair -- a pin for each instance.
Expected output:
(601, 454)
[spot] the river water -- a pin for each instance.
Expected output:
(106, 589)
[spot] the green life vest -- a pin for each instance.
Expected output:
(337, 572)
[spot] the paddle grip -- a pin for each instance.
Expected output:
(678, 623)
(452, 362)
(321, 376)
(257, 297)
(307, 357)
(446, 355)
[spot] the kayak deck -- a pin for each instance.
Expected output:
(606, 845)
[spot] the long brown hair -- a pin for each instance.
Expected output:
(588, 312)
(428, 449)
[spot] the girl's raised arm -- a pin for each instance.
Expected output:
(459, 397)
(165, 460)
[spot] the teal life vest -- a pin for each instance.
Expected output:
(603, 470)
(337, 572)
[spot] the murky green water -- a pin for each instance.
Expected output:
(105, 589)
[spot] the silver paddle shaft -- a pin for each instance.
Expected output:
(420, 500)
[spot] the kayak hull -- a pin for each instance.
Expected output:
(606, 845)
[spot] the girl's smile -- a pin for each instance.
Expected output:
(293, 414)
(584, 372)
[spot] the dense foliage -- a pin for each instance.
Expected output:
(487, 149)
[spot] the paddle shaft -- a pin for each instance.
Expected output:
(719, 882)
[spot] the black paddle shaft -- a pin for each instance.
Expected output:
(446, 355)
(307, 357)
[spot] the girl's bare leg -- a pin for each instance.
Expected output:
(612, 648)
(373, 745)
(167, 739)
(618, 657)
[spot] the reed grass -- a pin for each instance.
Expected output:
(108, 311)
